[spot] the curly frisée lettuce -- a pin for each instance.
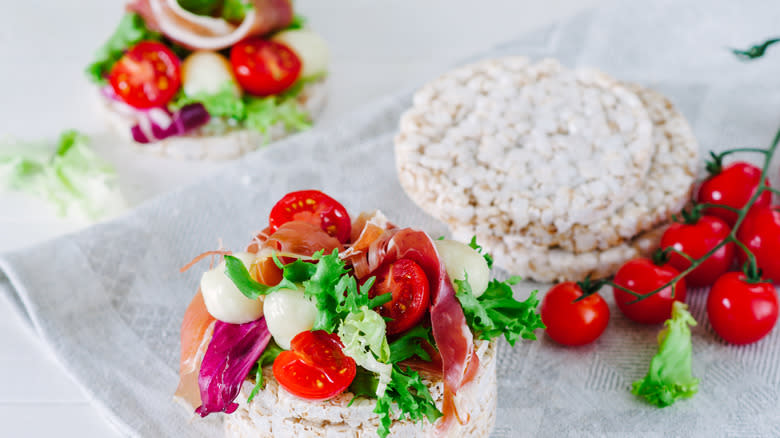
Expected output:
(497, 313)
(363, 336)
(669, 377)
(73, 178)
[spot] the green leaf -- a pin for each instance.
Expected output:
(239, 275)
(488, 257)
(322, 287)
(409, 394)
(235, 10)
(364, 384)
(669, 377)
(224, 103)
(363, 335)
(756, 51)
(497, 313)
(410, 344)
(267, 358)
(130, 31)
(298, 22)
(200, 7)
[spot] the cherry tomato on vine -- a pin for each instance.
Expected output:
(314, 368)
(571, 323)
(643, 276)
(264, 68)
(146, 76)
(314, 207)
(741, 312)
(696, 240)
(732, 187)
(760, 233)
(409, 285)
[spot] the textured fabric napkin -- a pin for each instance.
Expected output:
(108, 300)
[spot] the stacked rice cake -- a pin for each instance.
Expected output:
(559, 173)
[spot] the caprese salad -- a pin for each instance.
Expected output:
(207, 68)
(335, 306)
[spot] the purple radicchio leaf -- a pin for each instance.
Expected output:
(233, 351)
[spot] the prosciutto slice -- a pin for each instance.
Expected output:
(199, 32)
(450, 330)
(303, 239)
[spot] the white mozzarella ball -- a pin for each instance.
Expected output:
(287, 313)
(461, 259)
(223, 299)
(310, 48)
(205, 72)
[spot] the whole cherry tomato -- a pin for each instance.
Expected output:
(733, 187)
(760, 233)
(264, 68)
(571, 323)
(741, 312)
(696, 240)
(409, 285)
(315, 368)
(643, 276)
(314, 207)
(146, 76)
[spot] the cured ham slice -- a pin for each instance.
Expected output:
(301, 239)
(450, 330)
(199, 32)
(196, 330)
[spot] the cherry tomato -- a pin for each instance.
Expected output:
(408, 283)
(697, 240)
(733, 187)
(314, 368)
(146, 76)
(571, 323)
(739, 311)
(642, 276)
(264, 67)
(760, 233)
(314, 207)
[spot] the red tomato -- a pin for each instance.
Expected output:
(733, 187)
(642, 276)
(760, 233)
(408, 283)
(146, 76)
(739, 311)
(264, 67)
(570, 323)
(314, 207)
(315, 368)
(697, 240)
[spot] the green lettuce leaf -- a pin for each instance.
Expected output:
(410, 396)
(669, 377)
(497, 313)
(130, 31)
(409, 344)
(488, 258)
(224, 103)
(298, 22)
(72, 177)
(267, 358)
(200, 7)
(235, 10)
(364, 384)
(363, 334)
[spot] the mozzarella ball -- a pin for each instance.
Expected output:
(205, 72)
(223, 299)
(310, 48)
(460, 259)
(287, 313)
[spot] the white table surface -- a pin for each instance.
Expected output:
(376, 46)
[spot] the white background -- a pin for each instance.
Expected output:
(376, 46)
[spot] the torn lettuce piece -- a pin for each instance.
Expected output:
(268, 357)
(131, 30)
(363, 336)
(669, 377)
(77, 182)
(410, 396)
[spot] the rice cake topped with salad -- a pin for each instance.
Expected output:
(210, 79)
(326, 326)
(561, 173)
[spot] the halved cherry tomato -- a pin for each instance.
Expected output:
(408, 283)
(739, 311)
(696, 240)
(732, 187)
(571, 323)
(264, 67)
(146, 76)
(760, 232)
(642, 276)
(314, 207)
(314, 368)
